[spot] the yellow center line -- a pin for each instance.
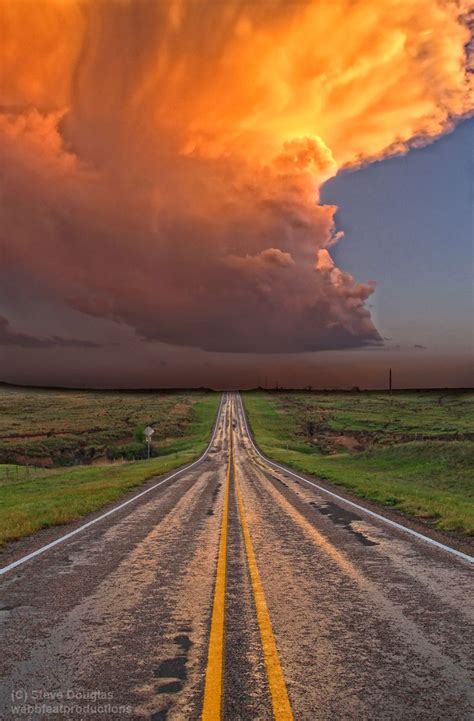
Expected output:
(213, 689)
(276, 681)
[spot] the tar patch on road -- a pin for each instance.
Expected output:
(171, 687)
(343, 518)
(173, 668)
(160, 715)
(173, 671)
(215, 492)
(183, 641)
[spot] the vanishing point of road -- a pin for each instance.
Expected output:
(235, 589)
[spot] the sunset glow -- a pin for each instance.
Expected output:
(162, 161)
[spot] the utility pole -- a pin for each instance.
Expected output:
(390, 380)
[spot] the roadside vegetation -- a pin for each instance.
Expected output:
(413, 451)
(65, 428)
(34, 497)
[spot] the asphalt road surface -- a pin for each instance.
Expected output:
(235, 590)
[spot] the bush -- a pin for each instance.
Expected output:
(139, 434)
(129, 451)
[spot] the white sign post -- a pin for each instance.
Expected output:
(148, 434)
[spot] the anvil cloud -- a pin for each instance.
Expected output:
(161, 161)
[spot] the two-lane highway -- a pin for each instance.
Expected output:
(237, 590)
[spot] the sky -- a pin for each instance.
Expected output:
(232, 194)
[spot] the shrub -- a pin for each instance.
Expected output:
(139, 434)
(129, 451)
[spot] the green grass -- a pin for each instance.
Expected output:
(431, 478)
(64, 428)
(31, 499)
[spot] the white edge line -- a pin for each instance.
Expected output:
(367, 511)
(66, 536)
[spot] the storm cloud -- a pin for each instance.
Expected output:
(11, 337)
(161, 161)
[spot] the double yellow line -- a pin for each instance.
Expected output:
(212, 706)
(213, 689)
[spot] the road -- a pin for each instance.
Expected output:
(235, 590)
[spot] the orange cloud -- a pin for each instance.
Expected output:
(162, 161)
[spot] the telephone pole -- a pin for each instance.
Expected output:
(390, 380)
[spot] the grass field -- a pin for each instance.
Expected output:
(51, 428)
(34, 498)
(413, 451)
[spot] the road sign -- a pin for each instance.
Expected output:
(148, 433)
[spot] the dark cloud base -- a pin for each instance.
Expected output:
(10, 337)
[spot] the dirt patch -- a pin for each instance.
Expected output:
(348, 442)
